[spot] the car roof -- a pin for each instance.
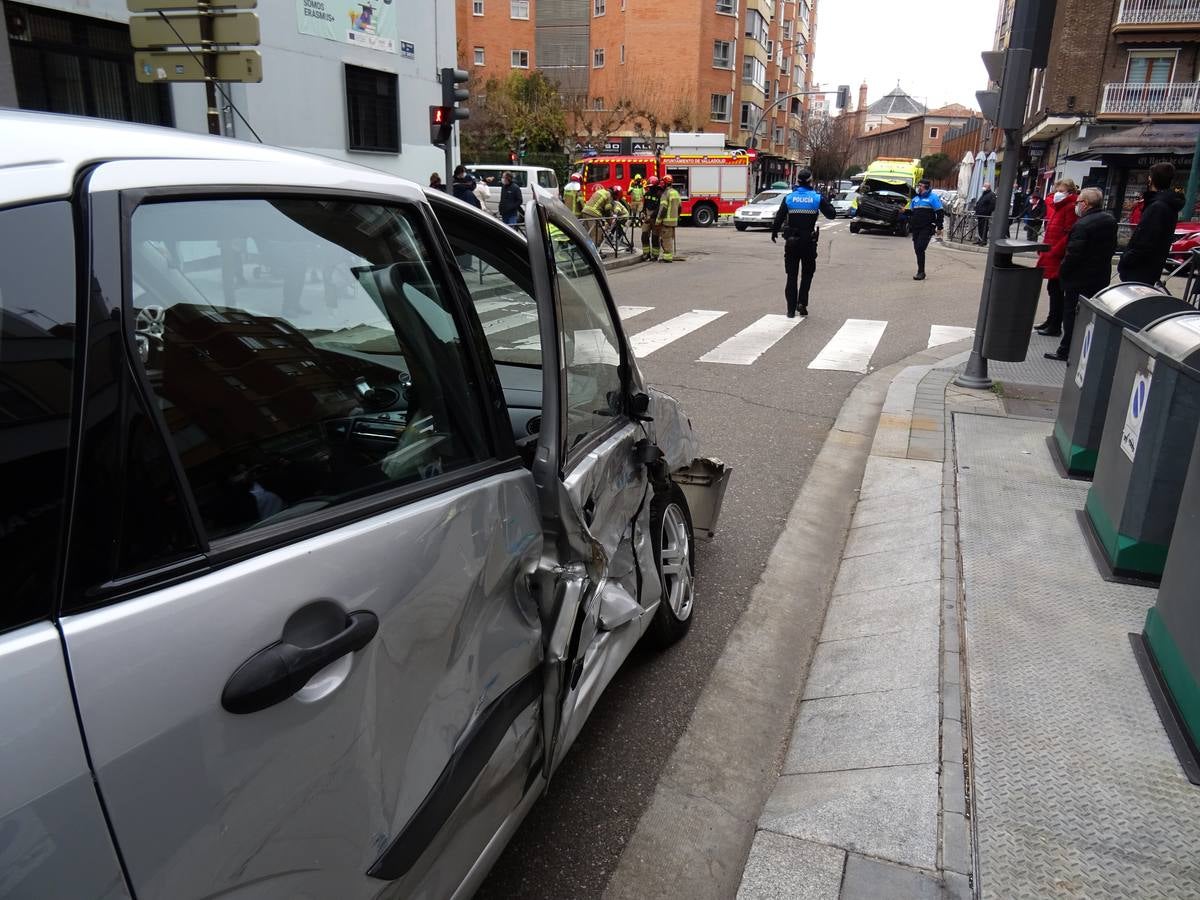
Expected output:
(42, 153)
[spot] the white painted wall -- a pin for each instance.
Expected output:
(301, 102)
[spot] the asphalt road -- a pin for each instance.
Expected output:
(768, 420)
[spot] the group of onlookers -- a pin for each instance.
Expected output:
(478, 191)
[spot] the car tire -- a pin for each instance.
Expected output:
(672, 540)
(854, 229)
(739, 226)
(901, 230)
(704, 215)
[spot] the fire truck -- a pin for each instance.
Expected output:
(711, 181)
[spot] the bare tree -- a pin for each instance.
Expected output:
(829, 143)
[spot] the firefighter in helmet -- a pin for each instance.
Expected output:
(668, 217)
(637, 194)
(598, 207)
(649, 223)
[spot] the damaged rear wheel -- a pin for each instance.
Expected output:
(675, 559)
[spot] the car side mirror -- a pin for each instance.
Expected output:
(638, 407)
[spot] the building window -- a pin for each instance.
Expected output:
(598, 58)
(598, 7)
(597, 103)
(520, 59)
(751, 113)
(518, 9)
(479, 56)
(720, 107)
(754, 72)
(756, 26)
(722, 54)
(477, 7)
(933, 132)
(622, 54)
(372, 110)
(80, 65)
(777, 136)
(785, 65)
(1150, 66)
(728, 7)
(787, 30)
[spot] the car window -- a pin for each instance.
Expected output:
(300, 351)
(547, 179)
(589, 342)
(597, 172)
(636, 169)
(767, 196)
(37, 359)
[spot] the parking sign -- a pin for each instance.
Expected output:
(1139, 397)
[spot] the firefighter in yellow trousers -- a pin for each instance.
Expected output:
(637, 194)
(668, 218)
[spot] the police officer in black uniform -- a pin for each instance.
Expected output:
(797, 216)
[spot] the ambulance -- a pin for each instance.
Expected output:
(883, 191)
(711, 180)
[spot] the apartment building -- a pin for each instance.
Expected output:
(705, 65)
(1121, 91)
(354, 89)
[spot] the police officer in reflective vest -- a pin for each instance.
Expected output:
(924, 213)
(797, 216)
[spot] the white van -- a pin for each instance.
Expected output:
(543, 181)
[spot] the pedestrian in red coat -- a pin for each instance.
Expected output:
(1060, 218)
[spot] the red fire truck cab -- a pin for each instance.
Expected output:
(710, 183)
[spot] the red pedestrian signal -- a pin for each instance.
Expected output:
(441, 122)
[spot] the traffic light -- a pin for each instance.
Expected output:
(843, 96)
(521, 147)
(1009, 70)
(452, 94)
(512, 156)
(440, 125)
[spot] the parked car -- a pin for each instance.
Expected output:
(1185, 240)
(311, 580)
(535, 182)
(760, 211)
(843, 203)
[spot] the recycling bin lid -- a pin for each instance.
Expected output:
(1136, 306)
(1175, 340)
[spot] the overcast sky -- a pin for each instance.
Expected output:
(932, 47)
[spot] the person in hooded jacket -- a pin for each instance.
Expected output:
(463, 187)
(1060, 218)
(1151, 241)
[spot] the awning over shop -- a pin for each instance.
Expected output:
(1050, 127)
(1157, 139)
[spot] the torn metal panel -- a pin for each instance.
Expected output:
(671, 430)
(703, 483)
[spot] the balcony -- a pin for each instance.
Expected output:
(1142, 14)
(1180, 99)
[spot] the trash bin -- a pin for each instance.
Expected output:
(1172, 633)
(1094, 349)
(1146, 446)
(1012, 302)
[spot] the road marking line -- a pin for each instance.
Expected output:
(947, 334)
(487, 306)
(850, 350)
(628, 312)
(658, 336)
(752, 341)
(504, 323)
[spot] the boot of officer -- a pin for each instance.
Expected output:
(797, 216)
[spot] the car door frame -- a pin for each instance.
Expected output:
(569, 575)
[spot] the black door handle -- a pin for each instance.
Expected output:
(276, 672)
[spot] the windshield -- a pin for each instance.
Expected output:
(767, 196)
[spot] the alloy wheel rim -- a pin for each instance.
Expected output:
(675, 557)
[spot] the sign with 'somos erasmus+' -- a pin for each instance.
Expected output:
(364, 23)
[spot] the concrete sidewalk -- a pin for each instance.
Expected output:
(974, 723)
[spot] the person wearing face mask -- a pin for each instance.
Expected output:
(1087, 265)
(1151, 240)
(1060, 218)
(924, 213)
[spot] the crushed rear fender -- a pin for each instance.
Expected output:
(703, 480)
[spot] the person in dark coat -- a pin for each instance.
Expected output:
(1019, 204)
(463, 187)
(435, 182)
(1035, 213)
(510, 200)
(1060, 219)
(984, 207)
(1087, 266)
(1151, 241)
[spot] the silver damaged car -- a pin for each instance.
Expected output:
(330, 508)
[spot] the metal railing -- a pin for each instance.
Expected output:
(1133, 98)
(1158, 12)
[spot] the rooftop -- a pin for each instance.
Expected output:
(896, 103)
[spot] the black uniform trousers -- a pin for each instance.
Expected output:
(1054, 318)
(799, 259)
(921, 238)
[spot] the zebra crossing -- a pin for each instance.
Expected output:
(851, 349)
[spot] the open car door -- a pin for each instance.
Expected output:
(596, 580)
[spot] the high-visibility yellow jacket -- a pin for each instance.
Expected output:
(636, 192)
(600, 203)
(668, 209)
